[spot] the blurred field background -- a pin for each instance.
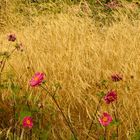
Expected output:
(78, 45)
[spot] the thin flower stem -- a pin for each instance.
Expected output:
(3, 65)
(105, 133)
(4, 60)
(116, 118)
(66, 120)
(90, 127)
(14, 121)
(116, 115)
(14, 115)
(30, 137)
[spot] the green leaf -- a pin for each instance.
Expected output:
(57, 86)
(101, 137)
(136, 136)
(15, 88)
(44, 135)
(16, 116)
(115, 123)
(24, 114)
(103, 82)
(72, 137)
(101, 94)
(114, 135)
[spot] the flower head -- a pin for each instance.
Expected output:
(27, 122)
(37, 79)
(116, 77)
(11, 37)
(105, 119)
(110, 97)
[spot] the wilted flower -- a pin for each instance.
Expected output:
(27, 122)
(105, 119)
(37, 79)
(112, 5)
(110, 97)
(116, 77)
(11, 37)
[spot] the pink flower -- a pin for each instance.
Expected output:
(110, 97)
(116, 77)
(37, 79)
(105, 119)
(11, 37)
(27, 122)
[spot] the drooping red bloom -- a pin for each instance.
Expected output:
(27, 122)
(11, 37)
(110, 97)
(116, 77)
(105, 119)
(37, 79)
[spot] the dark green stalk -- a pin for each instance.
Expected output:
(66, 120)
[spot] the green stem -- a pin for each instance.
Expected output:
(105, 133)
(116, 118)
(94, 116)
(4, 60)
(14, 120)
(66, 120)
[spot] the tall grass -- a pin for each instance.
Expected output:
(79, 55)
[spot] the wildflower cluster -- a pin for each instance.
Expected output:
(110, 97)
(37, 81)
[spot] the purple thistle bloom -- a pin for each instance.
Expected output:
(11, 37)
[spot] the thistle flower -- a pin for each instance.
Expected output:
(110, 97)
(116, 77)
(105, 119)
(37, 79)
(27, 122)
(11, 37)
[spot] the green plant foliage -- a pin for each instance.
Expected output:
(115, 123)
(101, 137)
(15, 88)
(23, 114)
(136, 136)
(101, 94)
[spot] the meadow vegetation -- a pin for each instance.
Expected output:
(69, 70)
